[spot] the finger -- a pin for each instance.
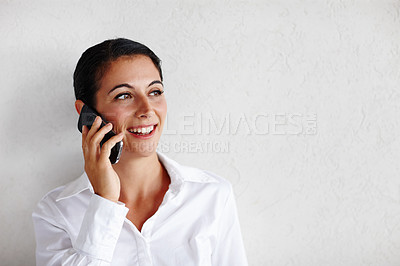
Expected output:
(91, 150)
(98, 137)
(93, 130)
(95, 126)
(84, 134)
(94, 143)
(105, 151)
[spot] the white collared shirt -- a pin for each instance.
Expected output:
(196, 224)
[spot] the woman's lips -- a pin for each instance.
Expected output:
(142, 131)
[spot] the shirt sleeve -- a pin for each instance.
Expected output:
(229, 250)
(96, 240)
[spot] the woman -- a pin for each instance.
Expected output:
(146, 209)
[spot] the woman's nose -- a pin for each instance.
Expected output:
(144, 109)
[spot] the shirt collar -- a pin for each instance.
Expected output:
(75, 187)
(179, 174)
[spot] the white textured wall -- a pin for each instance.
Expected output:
(312, 93)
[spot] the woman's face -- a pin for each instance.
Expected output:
(130, 97)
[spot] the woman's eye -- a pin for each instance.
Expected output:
(122, 96)
(156, 92)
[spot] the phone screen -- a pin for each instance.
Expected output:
(87, 117)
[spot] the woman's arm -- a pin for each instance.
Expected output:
(95, 242)
(102, 223)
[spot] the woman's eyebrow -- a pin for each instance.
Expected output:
(121, 85)
(131, 87)
(155, 82)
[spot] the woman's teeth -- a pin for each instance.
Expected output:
(142, 131)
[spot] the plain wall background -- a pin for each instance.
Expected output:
(310, 89)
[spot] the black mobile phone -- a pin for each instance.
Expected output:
(87, 117)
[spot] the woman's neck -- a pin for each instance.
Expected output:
(140, 177)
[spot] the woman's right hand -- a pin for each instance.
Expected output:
(104, 179)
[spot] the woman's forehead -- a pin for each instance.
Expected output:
(132, 69)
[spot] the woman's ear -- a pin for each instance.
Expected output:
(78, 106)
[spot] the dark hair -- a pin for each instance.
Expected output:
(95, 61)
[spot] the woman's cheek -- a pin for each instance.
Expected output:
(162, 109)
(116, 117)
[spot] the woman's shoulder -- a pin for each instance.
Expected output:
(222, 182)
(202, 190)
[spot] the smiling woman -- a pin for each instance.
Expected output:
(146, 209)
